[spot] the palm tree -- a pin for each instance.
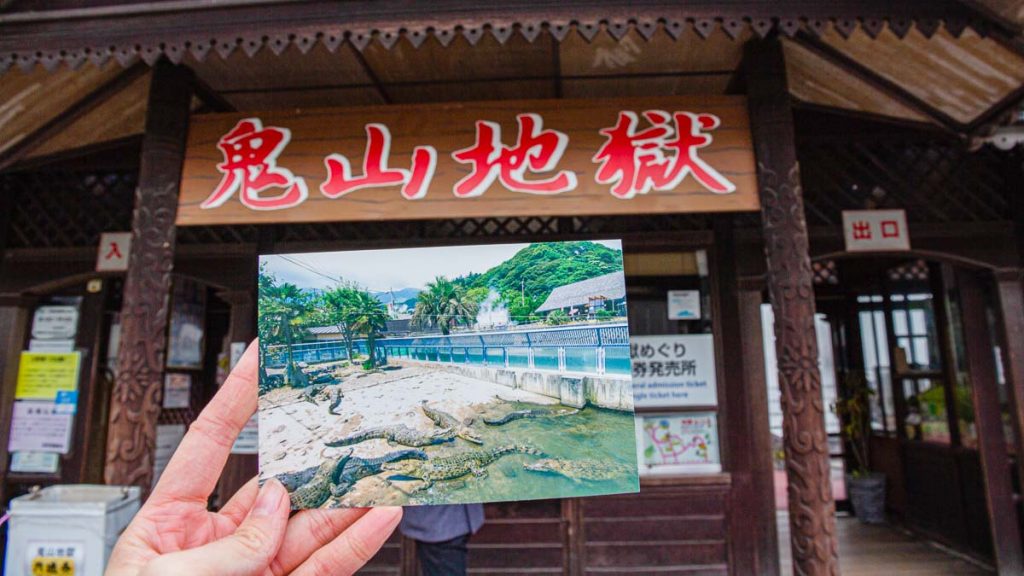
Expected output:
(366, 315)
(337, 304)
(281, 309)
(444, 305)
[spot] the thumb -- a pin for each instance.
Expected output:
(247, 552)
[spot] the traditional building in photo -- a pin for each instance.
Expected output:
(820, 206)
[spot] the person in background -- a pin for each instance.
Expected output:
(441, 534)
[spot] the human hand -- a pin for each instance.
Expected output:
(174, 533)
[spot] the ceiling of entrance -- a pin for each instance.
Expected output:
(943, 80)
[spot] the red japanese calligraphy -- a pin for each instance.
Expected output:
(376, 172)
(536, 149)
(636, 162)
(862, 230)
(890, 229)
(250, 166)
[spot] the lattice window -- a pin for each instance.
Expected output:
(933, 181)
(916, 270)
(825, 273)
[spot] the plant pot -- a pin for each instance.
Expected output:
(867, 496)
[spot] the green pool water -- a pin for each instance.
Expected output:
(591, 434)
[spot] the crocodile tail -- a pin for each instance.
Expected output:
(355, 438)
(527, 449)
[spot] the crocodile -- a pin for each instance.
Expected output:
(579, 470)
(400, 434)
(445, 420)
(311, 487)
(531, 413)
(336, 398)
(316, 491)
(455, 466)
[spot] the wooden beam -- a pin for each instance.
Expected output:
(58, 123)
(1010, 313)
(868, 75)
(211, 98)
(1004, 106)
(791, 291)
(135, 405)
(988, 422)
(374, 80)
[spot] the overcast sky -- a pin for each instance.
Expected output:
(382, 270)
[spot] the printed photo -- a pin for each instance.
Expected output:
(446, 375)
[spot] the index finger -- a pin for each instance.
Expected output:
(193, 471)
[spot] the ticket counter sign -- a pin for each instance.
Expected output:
(674, 370)
(47, 376)
(487, 159)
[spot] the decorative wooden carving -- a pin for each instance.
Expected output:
(135, 402)
(790, 286)
(29, 39)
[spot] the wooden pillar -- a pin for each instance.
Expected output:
(135, 402)
(15, 317)
(239, 468)
(995, 464)
(790, 289)
(753, 538)
(1010, 292)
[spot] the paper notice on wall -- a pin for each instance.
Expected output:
(40, 426)
(674, 370)
(35, 462)
(168, 437)
(177, 390)
(55, 322)
(35, 345)
(249, 439)
(41, 375)
(684, 304)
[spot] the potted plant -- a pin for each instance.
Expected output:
(865, 487)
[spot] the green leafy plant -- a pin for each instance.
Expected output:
(443, 305)
(557, 317)
(855, 413)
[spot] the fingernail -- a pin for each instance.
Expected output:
(269, 499)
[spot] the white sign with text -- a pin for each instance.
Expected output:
(876, 230)
(674, 370)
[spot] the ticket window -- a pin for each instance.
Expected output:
(673, 361)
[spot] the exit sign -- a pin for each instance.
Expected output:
(876, 230)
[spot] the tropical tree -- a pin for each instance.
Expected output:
(444, 305)
(281, 308)
(338, 306)
(366, 314)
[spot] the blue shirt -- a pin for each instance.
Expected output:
(441, 523)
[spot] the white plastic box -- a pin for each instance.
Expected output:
(69, 529)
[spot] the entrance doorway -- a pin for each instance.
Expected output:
(895, 325)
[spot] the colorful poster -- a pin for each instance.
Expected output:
(41, 427)
(680, 442)
(420, 399)
(674, 370)
(177, 390)
(41, 375)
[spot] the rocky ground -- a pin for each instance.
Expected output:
(293, 429)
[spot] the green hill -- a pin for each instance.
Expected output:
(540, 268)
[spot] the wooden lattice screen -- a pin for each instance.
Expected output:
(937, 182)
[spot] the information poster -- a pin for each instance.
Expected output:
(168, 437)
(684, 304)
(55, 322)
(177, 390)
(683, 442)
(676, 370)
(35, 462)
(42, 375)
(41, 427)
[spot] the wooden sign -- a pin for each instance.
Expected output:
(454, 160)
